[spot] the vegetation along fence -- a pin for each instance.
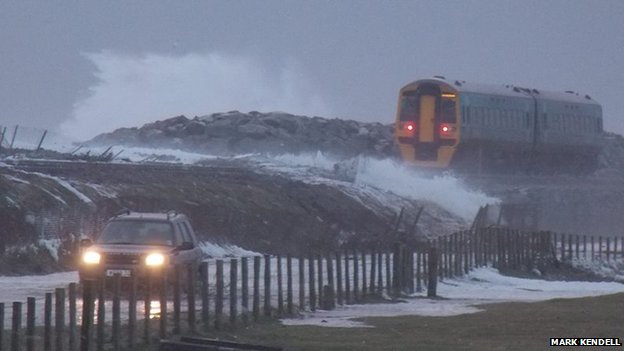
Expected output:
(235, 292)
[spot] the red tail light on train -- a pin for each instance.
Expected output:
(409, 126)
(447, 129)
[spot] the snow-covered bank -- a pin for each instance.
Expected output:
(386, 175)
(461, 296)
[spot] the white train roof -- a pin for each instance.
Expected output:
(511, 90)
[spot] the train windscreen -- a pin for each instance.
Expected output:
(410, 107)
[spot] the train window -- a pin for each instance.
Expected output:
(598, 125)
(526, 120)
(465, 115)
(410, 107)
(447, 111)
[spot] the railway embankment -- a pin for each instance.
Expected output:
(227, 202)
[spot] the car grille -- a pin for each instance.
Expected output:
(121, 259)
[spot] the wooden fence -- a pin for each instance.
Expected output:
(227, 294)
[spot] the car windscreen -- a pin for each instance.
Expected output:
(137, 232)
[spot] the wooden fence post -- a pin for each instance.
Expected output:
(578, 244)
(396, 269)
(340, 293)
(433, 272)
(219, 297)
(356, 280)
(233, 291)
(364, 283)
(16, 327)
(289, 286)
(245, 289)
(468, 254)
(563, 255)
(30, 325)
(320, 284)
(301, 265)
(347, 279)
(454, 252)
(388, 274)
(410, 271)
(280, 287)
(72, 316)
(379, 273)
(59, 320)
(267, 285)
(205, 293)
(147, 310)
(2, 323)
(177, 298)
(162, 330)
(116, 327)
(87, 315)
(600, 247)
(418, 270)
(330, 279)
(256, 288)
(132, 301)
(47, 322)
(190, 297)
(311, 285)
(372, 290)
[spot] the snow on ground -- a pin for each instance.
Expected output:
(18, 288)
(225, 250)
(460, 296)
(613, 268)
(65, 184)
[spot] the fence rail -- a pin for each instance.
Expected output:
(227, 294)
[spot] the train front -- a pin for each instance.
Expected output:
(427, 123)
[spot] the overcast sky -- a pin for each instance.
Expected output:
(88, 67)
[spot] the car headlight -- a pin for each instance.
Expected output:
(154, 259)
(91, 257)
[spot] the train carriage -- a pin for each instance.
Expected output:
(444, 123)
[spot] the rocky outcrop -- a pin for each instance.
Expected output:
(254, 132)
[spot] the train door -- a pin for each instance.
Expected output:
(427, 118)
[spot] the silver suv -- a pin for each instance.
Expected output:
(136, 243)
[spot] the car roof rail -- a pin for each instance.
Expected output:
(124, 211)
(171, 213)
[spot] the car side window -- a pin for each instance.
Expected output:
(178, 236)
(189, 231)
(185, 234)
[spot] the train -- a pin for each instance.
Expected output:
(453, 124)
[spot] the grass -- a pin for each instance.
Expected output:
(505, 326)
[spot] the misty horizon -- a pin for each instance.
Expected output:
(89, 68)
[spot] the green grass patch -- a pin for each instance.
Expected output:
(505, 326)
